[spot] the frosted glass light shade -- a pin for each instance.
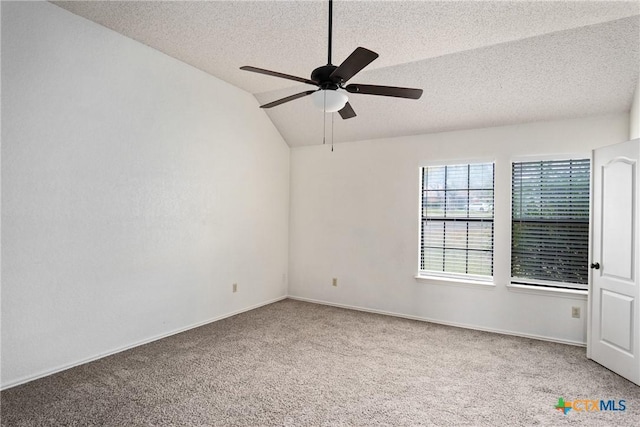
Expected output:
(335, 100)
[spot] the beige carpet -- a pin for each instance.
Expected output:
(298, 364)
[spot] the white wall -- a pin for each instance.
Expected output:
(354, 216)
(634, 114)
(135, 191)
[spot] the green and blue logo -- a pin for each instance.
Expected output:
(563, 406)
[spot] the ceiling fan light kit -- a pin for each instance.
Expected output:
(329, 101)
(330, 80)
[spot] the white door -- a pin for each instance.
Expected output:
(614, 295)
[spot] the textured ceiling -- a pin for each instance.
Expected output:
(480, 63)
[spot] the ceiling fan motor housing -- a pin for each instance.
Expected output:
(322, 75)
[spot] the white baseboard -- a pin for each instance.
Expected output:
(48, 372)
(441, 322)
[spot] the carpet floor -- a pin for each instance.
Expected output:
(293, 363)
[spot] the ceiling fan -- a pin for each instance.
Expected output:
(330, 79)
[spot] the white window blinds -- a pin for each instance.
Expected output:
(550, 223)
(456, 233)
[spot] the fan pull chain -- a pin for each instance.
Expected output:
(324, 117)
(332, 116)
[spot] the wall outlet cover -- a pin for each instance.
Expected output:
(575, 312)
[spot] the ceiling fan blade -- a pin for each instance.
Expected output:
(287, 99)
(398, 92)
(347, 112)
(276, 74)
(358, 59)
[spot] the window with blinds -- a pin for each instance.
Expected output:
(550, 223)
(456, 233)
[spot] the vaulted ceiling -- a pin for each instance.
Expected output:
(480, 63)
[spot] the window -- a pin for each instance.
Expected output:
(550, 223)
(456, 232)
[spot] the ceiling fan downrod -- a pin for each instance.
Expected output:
(330, 29)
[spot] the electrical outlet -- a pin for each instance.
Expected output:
(334, 282)
(235, 287)
(575, 312)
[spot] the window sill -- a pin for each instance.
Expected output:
(557, 292)
(455, 281)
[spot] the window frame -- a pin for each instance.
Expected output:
(542, 286)
(446, 277)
